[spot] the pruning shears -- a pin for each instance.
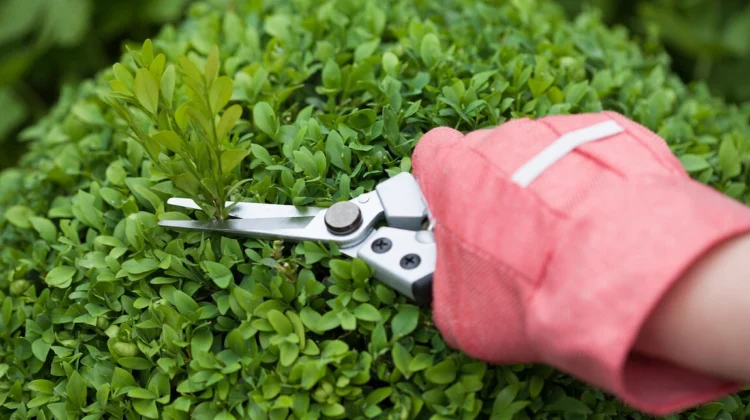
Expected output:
(388, 228)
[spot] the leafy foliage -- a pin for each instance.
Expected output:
(204, 154)
(47, 43)
(105, 315)
(707, 39)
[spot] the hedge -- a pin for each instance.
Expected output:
(106, 315)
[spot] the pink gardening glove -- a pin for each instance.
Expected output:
(562, 261)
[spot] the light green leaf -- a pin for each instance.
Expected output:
(221, 92)
(147, 53)
(211, 70)
(60, 276)
(694, 163)
(430, 49)
(219, 273)
(367, 312)
(184, 303)
(443, 373)
(122, 74)
(405, 321)
(231, 158)
(331, 75)
(265, 119)
(401, 358)
(280, 322)
(167, 84)
(142, 394)
(19, 216)
(45, 228)
(76, 390)
(169, 140)
(729, 159)
(228, 121)
(147, 90)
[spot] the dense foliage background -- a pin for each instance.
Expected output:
(707, 40)
(105, 315)
(45, 44)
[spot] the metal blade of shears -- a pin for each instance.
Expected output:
(242, 210)
(271, 221)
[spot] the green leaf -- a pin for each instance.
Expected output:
(43, 386)
(45, 228)
(184, 303)
(167, 85)
(420, 362)
(146, 408)
(288, 353)
(19, 216)
(694, 163)
(709, 410)
(311, 374)
(405, 321)
(331, 75)
(575, 92)
(391, 63)
(142, 394)
(367, 312)
(265, 119)
(306, 161)
(402, 359)
(169, 140)
(219, 273)
(122, 74)
(40, 348)
(61, 276)
(540, 83)
(729, 159)
(147, 90)
(339, 154)
(76, 390)
(568, 405)
(231, 158)
(442, 373)
(137, 363)
(341, 269)
(280, 322)
(228, 121)
(535, 386)
(147, 53)
(221, 92)
(211, 69)
(335, 348)
(201, 341)
(360, 270)
(430, 50)
(261, 153)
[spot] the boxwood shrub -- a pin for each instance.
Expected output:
(105, 315)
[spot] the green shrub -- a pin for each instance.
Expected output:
(707, 39)
(106, 315)
(47, 43)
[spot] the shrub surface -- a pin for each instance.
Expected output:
(105, 315)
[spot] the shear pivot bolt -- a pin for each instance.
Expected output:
(343, 218)
(381, 245)
(410, 261)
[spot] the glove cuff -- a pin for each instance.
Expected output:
(616, 259)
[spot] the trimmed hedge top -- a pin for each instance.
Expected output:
(106, 315)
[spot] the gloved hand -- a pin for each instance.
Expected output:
(559, 257)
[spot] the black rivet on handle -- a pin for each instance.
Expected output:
(410, 261)
(381, 245)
